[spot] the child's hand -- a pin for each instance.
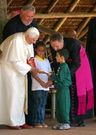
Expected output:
(49, 83)
(43, 84)
(43, 72)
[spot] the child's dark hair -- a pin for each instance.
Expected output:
(64, 52)
(40, 43)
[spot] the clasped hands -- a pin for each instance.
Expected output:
(35, 71)
(42, 83)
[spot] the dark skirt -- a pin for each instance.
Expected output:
(77, 120)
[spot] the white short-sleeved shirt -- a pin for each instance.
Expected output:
(43, 65)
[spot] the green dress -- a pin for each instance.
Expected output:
(62, 82)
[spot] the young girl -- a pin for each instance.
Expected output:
(62, 82)
(40, 85)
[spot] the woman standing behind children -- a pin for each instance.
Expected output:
(62, 82)
(40, 85)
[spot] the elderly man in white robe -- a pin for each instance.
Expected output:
(16, 51)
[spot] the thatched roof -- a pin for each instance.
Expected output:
(59, 15)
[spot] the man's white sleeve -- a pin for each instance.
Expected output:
(22, 67)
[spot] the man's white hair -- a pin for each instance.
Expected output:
(32, 32)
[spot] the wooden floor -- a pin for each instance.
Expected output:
(89, 129)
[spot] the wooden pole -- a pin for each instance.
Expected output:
(30, 2)
(46, 30)
(62, 20)
(62, 15)
(10, 2)
(84, 23)
(83, 33)
(49, 9)
(70, 9)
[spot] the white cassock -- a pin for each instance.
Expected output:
(13, 74)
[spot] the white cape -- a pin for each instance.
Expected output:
(13, 70)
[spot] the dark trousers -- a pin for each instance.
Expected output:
(92, 60)
(39, 99)
(28, 116)
(75, 119)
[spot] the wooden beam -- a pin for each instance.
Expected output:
(46, 30)
(9, 3)
(62, 15)
(70, 9)
(49, 9)
(53, 4)
(50, 31)
(83, 33)
(31, 2)
(84, 23)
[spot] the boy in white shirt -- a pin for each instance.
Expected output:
(40, 88)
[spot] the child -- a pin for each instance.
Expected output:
(40, 88)
(62, 82)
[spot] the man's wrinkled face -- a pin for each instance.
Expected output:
(31, 40)
(27, 16)
(57, 45)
